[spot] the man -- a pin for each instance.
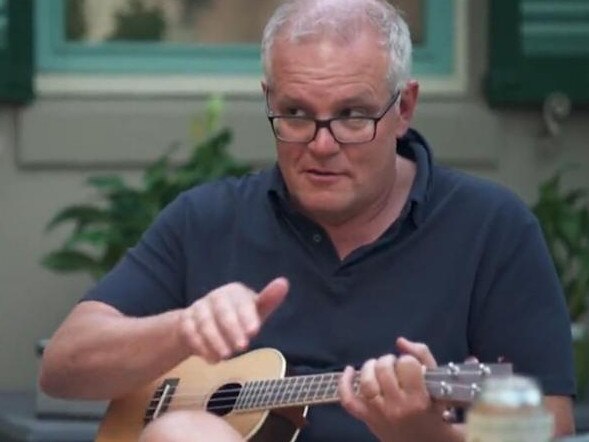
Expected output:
(356, 250)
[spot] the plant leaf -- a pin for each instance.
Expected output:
(65, 260)
(94, 237)
(107, 183)
(81, 214)
(213, 113)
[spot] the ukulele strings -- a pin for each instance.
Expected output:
(220, 403)
(269, 388)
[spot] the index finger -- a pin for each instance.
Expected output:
(418, 350)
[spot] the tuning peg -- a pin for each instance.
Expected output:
(484, 370)
(453, 369)
(475, 389)
(445, 389)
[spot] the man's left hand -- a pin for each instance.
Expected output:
(392, 398)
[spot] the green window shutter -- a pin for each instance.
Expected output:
(16, 62)
(537, 47)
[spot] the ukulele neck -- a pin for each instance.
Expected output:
(452, 383)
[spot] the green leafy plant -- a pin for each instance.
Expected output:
(103, 231)
(564, 217)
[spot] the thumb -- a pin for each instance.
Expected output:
(271, 297)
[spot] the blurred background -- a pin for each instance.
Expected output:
(100, 90)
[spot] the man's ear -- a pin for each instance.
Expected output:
(407, 105)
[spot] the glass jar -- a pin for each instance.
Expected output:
(509, 409)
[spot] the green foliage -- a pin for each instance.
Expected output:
(139, 23)
(103, 232)
(564, 217)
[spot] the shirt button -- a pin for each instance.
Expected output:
(317, 238)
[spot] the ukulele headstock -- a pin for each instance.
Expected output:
(461, 383)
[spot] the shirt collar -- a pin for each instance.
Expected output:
(415, 148)
(411, 146)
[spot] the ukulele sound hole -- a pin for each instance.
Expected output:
(223, 400)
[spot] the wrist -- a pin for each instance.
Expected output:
(181, 338)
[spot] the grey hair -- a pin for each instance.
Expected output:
(296, 20)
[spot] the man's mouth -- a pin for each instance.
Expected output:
(326, 173)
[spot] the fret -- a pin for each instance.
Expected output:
(295, 389)
(318, 388)
(304, 389)
(286, 390)
(330, 389)
(262, 398)
(242, 396)
(274, 391)
(292, 387)
(296, 380)
(310, 389)
(322, 383)
(264, 394)
(267, 398)
(256, 397)
(271, 392)
(254, 393)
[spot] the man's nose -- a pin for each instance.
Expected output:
(324, 143)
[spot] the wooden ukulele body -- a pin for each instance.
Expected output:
(124, 419)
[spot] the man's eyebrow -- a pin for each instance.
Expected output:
(365, 99)
(358, 99)
(288, 99)
(364, 103)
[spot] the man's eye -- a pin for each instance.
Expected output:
(352, 113)
(295, 112)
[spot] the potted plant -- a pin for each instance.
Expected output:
(104, 230)
(564, 218)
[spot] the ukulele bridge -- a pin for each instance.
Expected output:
(160, 400)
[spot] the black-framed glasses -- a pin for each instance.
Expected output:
(345, 130)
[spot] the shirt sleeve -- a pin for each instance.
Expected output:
(518, 311)
(149, 279)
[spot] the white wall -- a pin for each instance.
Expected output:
(32, 301)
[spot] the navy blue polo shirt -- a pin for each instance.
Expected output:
(464, 269)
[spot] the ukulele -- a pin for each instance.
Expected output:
(253, 395)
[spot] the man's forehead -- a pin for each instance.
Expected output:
(341, 36)
(356, 74)
(361, 54)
